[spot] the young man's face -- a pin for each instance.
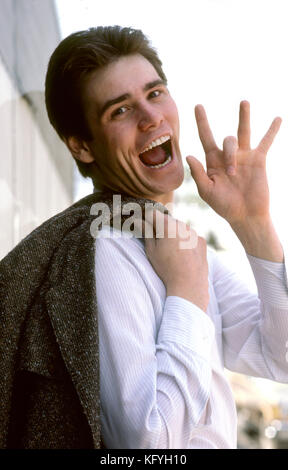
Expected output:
(128, 108)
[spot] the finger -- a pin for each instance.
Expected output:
(268, 138)
(204, 130)
(153, 219)
(230, 147)
(202, 246)
(160, 223)
(199, 175)
(202, 243)
(244, 131)
(188, 238)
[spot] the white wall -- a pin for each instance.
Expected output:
(31, 187)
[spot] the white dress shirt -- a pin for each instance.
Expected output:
(162, 359)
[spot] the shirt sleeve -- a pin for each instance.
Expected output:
(254, 327)
(155, 376)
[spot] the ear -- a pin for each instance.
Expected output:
(79, 149)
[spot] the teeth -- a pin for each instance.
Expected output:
(161, 164)
(157, 142)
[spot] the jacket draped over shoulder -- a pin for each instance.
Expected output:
(49, 355)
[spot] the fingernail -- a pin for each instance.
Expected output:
(230, 170)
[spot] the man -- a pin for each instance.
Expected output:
(169, 318)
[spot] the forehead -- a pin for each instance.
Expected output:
(128, 74)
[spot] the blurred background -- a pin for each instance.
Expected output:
(214, 52)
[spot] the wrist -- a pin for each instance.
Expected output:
(196, 298)
(259, 238)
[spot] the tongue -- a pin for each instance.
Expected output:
(154, 157)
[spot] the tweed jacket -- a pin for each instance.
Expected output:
(49, 357)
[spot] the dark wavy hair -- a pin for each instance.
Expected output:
(73, 60)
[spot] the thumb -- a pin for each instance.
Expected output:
(198, 174)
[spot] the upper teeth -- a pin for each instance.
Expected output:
(156, 142)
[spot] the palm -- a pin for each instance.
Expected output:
(244, 193)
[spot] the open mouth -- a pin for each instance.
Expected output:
(159, 155)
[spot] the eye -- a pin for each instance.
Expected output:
(155, 93)
(119, 111)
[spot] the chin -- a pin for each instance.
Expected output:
(176, 179)
(171, 184)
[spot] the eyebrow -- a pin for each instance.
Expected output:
(125, 96)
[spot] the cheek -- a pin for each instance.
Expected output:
(172, 113)
(120, 139)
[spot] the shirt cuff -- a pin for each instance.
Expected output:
(271, 280)
(186, 324)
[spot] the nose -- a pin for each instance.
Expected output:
(149, 117)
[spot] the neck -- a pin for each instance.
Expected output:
(167, 200)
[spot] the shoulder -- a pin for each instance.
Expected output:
(110, 241)
(120, 255)
(116, 242)
(114, 248)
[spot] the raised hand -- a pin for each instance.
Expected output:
(235, 183)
